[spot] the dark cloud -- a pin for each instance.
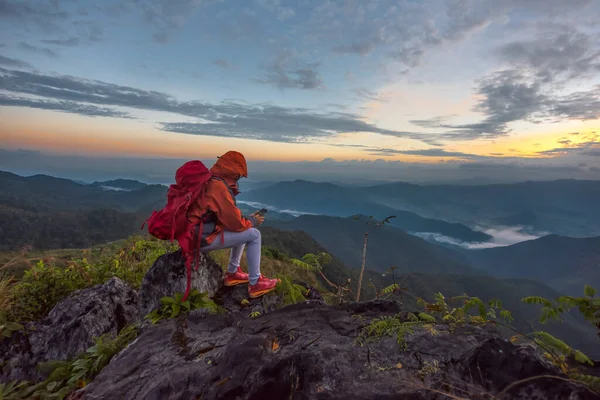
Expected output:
(506, 97)
(438, 153)
(277, 124)
(12, 62)
(70, 42)
(165, 16)
(227, 119)
(286, 71)
(46, 15)
(65, 106)
(222, 63)
(588, 148)
(370, 95)
(360, 48)
(36, 49)
(559, 51)
(509, 96)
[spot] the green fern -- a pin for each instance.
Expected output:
(537, 300)
(64, 377)
(390, 326)
(171, 307)
(560, 348)
(390, 289)
(292, 293)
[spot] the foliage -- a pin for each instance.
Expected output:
(292, 292)
(314, 262)
(461, 314)
(274, 253)
(171, 307)
(394, 326)
(557, 351)
(588, 306)
(66, 376)
(45, 284)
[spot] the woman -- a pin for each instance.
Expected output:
(225, 226)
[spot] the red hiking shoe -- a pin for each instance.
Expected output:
(263, 286)
(236, 278)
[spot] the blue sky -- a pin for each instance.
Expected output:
(426, 84)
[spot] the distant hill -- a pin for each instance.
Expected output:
(47, 212)
(565, 207)
(330, 199)
(43, 192)
(510, 291)
(124, 184)
(564, 263)
(387, 246)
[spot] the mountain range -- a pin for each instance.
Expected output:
(564, 207)
(48, 212)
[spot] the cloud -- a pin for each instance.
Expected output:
(557, 51)
(65, 106)
(70, 42)
(439, 153)
(225, 119)
(12, 62)
(222, 63)
(588, 148)
(160, 170)
(369, 95)
(286, 71)
(36, 49)
(46, 15)
(281, 12)
(360, 48)
(509, 96)
(165, 16)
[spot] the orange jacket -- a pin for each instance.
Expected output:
(218, 198)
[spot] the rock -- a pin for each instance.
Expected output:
(309, 351)
(69, 329)
(168, 276)
(236, 299)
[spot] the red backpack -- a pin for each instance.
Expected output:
(172, 222)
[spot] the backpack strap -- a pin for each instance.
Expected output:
(218, 178)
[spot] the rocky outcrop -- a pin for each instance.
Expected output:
(309, 351)
(69, 329)
(168, 276)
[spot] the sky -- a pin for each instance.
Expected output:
(416, 90)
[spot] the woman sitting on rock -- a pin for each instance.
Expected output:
(226, 222)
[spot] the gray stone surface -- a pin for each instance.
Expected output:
(69, 329)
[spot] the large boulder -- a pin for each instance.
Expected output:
(69, 329)
(309, 351)
(167, 276)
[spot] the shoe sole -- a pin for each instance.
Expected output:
(234, 283)
(261, 293)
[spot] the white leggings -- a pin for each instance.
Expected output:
(238, 241)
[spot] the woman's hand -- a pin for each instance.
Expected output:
(259, 218)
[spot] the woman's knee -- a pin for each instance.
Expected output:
(254, 234)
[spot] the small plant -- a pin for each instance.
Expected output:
(171, 307)
(292, 293)
(254, 314)
(461, 314)
(429, 368)
(588, 306)
(392, 326)
(64, 377)
(557, 351)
